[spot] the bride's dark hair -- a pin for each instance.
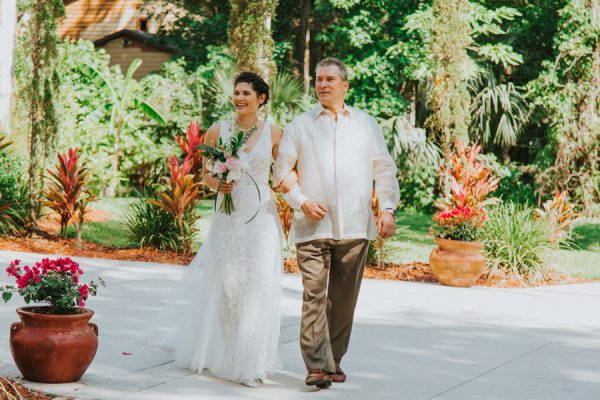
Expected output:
(258, 84)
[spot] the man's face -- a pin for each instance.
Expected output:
(331, 89)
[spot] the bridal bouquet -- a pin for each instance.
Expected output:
(224, 163)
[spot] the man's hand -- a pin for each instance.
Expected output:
(386, 225)
(314, 210)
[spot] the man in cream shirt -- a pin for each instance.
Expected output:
(338, 152)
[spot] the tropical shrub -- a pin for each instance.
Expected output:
(15, 214)
(90, 91)
(376, 253)
(286, 215)
(516, 242)
(67, 193)
(517, 183)
(462, 210)
(150, 225)
(560, 215)
(418, 161)
(179, 199)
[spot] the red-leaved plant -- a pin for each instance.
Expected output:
(55, 282)
(190, 145)
(66, 191)
(379, 242)
(181, 194)
(462, 210)
(286, 215)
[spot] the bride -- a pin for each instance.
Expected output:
(225, 315)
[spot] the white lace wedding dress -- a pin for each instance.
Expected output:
(225, 315)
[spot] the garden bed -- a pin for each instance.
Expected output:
(10, 389)
(412, 272)
(421, 272)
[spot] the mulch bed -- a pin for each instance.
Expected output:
(51, 243)
(11, 390)
(421, 272)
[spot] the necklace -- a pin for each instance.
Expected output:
(248, 132)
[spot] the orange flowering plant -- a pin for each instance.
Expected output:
(461, 212)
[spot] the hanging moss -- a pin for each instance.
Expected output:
(37, 82)
(450, 98)
(250, 37)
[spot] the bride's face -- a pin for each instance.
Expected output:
(245, 99)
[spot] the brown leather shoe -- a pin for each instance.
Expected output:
(318, 378)
(338, 376)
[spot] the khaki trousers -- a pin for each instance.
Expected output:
(331, 275)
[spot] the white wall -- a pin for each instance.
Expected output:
(8, 18)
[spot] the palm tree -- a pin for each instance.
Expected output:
(123, 98)
(499, 113)
(287, 98)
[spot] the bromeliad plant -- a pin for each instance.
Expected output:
(183, 185)
(55, 282)
(559, 214)
(286, 215)
(180, 198)
(190, 145)
(462, 210)
(66, 194)
(378, 257)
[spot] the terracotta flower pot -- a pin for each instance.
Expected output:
(52, 348)
(457, 263)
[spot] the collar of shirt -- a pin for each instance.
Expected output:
(320, 110)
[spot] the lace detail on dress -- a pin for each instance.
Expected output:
(229, 304)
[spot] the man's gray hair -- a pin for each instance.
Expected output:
(338, 63)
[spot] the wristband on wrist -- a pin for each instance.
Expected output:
(391, 211)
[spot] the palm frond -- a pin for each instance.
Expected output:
(499, 111)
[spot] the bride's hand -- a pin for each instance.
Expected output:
(226, 187)
(288, 183)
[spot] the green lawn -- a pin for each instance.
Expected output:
(582, 258)
(412, 242)
(113, 232)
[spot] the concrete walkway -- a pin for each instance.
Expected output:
(410, 341)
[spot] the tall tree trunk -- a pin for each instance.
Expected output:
(34, 126)
(506, 155)
(409, 92)
(302, 48)
(315, 50)
(590, 117)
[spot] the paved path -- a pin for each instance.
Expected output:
(410, 341)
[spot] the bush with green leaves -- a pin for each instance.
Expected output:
(93, 93)
(149, 225)
(515, 242)
(15, 214)
(418, 160)
(517, 183)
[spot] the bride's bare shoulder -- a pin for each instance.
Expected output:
(212, 134)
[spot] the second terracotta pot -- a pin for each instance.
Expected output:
(457, 263)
